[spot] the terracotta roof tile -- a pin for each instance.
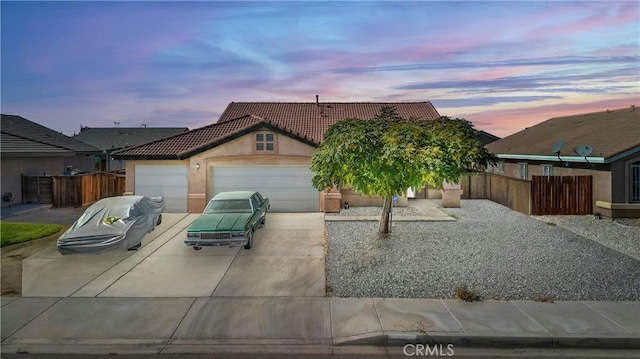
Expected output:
(307, 121)
(189, 141)
(332, 111)
(608, 132)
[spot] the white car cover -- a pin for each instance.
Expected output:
(112, 223)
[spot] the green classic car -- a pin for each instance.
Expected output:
(229, 219)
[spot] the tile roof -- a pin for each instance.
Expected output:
(307, 122)
(609, 132)
(181, 145)
(108, 138)
(20, 135)
(325, 111)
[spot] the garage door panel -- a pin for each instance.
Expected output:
(164, 181)
(287, 187)
(161, 169)
(248, 180)
(172, 192)
(293, 195)
(167, 181)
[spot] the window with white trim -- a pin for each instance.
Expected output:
(523, 171)
(546, 170)
(265, 142)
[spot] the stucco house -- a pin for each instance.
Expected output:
(110, 139)
(30, 149)
(612, 136)
(264, 146)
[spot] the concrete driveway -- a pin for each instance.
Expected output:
(287, 260)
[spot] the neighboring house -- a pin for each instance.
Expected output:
(109, 139)
(259, 146)
(614, 164)
(485, 138)
(30, 149)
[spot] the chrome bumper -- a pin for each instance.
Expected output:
(232, 242)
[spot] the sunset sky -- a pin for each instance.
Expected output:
(502, 65)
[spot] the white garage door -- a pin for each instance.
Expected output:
(287, 187)
(167, 181)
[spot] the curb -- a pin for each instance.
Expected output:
(374, 343)
(496, 340)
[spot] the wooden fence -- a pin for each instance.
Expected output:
(543, 195)
(37, 189)
(511, 192)
(85, 189)
(553, 195)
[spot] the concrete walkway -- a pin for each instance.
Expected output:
(429, 209)
(307, 324)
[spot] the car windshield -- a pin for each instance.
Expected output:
(228, 206)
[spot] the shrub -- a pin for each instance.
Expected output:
(462, 292)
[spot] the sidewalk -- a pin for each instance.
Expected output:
(317, 325)
(21, 208)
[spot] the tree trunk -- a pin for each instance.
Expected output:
(384, 221)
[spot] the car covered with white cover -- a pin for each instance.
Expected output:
(114, 223)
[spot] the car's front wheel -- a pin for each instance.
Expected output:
(250, 242)
(159, 220)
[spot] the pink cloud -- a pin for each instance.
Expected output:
(508, 121)
(601, 16)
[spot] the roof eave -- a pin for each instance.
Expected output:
(145, 157)
(551, 158)
(576, 159)
(624, 154)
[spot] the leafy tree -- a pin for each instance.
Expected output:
(388, 154)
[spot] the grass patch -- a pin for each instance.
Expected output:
(16, 232)
(462, 292)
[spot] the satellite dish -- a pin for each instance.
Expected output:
(556, 149)
(558, 146)
(583, 150)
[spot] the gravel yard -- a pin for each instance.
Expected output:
(615, 234)
(499, 253)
